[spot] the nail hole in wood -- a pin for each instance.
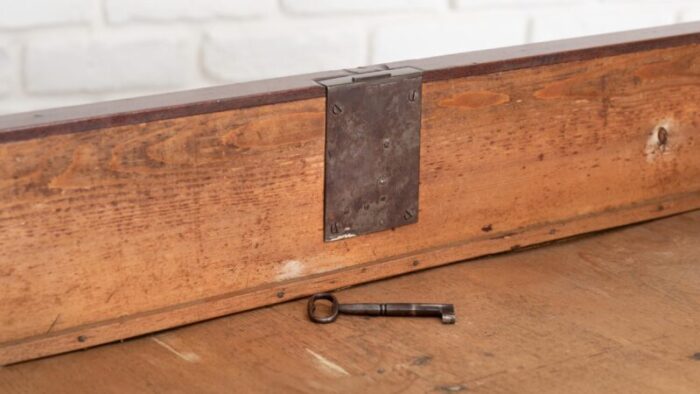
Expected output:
(662, 137)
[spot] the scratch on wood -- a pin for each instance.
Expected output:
(451, 388)
(422, 360)
(327, 364)
(53, 324)
(343, 236)
(110, 295)
(290, 269)
(187, 356)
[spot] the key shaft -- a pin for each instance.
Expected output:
(444, 311)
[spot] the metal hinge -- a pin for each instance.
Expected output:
(373, 122)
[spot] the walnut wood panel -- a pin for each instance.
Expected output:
(615, 312)
(116, 232)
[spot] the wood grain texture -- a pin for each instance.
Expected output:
(614, 312)
(117, 232)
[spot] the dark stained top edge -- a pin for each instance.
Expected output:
(553, 52)
(35, 124)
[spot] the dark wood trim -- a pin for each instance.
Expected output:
(552, 52)
(36, 124)
(29, 125)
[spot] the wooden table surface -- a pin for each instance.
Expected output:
(614, 312)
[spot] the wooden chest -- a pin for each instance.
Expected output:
(126, 218)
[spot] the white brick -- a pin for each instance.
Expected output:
(236, 55)
(28, 13)
(5, 72)
(471, 4)
(598, 19)
(105, 64)
(309, 7)
(690, 13)
(33, 103)
(471, 32)
(119, 11)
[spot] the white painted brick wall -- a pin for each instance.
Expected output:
(5, 72)
(315, 7)
(61, 52)
(581, 20)
(104, 64)
(468, 5)
(249, 54)
(15, 14)
(690, 12)
(120, 11)
(473, 31)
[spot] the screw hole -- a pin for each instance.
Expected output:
(662, 136)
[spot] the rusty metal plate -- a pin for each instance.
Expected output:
(373, 123)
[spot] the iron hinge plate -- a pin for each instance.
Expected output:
(373, 122)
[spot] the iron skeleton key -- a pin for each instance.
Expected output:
(445, 312)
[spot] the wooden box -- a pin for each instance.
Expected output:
(129, 217)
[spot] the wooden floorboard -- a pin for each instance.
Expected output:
(614, 312)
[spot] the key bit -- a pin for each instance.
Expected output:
(446, 312)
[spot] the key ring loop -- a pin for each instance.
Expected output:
(334, 308)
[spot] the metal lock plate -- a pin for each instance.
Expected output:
(373, 123)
